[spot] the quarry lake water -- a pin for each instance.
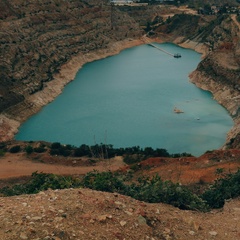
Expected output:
(128, 100)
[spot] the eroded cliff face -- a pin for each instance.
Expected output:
(219, 72)
(218, 39)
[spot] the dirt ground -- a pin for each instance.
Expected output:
(187, 170)
(86, 214)
(193, 170)
(18, 165)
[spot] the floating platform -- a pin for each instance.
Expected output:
(177, 55)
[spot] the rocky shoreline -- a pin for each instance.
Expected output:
(33, 104)
(224, 95)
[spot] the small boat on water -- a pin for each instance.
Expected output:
(177, 55)
(176, 110)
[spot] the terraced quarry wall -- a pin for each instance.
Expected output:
(44, 43)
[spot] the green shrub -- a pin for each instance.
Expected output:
(40, 182)
(155, 190)
(135, 167)
(222, 189)
(29, 149)
(54, 152)
(40, 149)
(15, 149)
(238, 18)
(83, 150)
(149, 190)
(105, 181)
(132, 158)
(61, 151)
(56, 145)
(3, 146)
(2, 152)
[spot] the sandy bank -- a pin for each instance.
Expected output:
(12, 118)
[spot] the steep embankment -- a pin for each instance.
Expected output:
(218, 38)
(219, 72)
(43, 45)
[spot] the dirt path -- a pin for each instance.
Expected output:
(234, 18)
(185, 170)
(17, 165)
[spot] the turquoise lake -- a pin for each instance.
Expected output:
(128, 100)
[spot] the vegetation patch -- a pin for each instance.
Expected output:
(226, 187)
(153, 190)
(131, 155)
(15, 149)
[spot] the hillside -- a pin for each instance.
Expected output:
(87, 214)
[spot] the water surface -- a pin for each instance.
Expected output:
(128, 100)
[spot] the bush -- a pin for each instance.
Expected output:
(2, 152)
(15, 149)
(155, 190)
(56, 145)
(222, 189)
(238, 18)
(133, 158)
(40, 149)
(83, 150)
(61, 151)
(105, 181)
(54, 152)
(152, 190)
(149, 190)
(40, 182)
(29, 149)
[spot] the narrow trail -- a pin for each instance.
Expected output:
(234, 18)
(13, 166)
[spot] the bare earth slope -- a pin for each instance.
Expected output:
(19, 165)
(187, 170)
(86, 214)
